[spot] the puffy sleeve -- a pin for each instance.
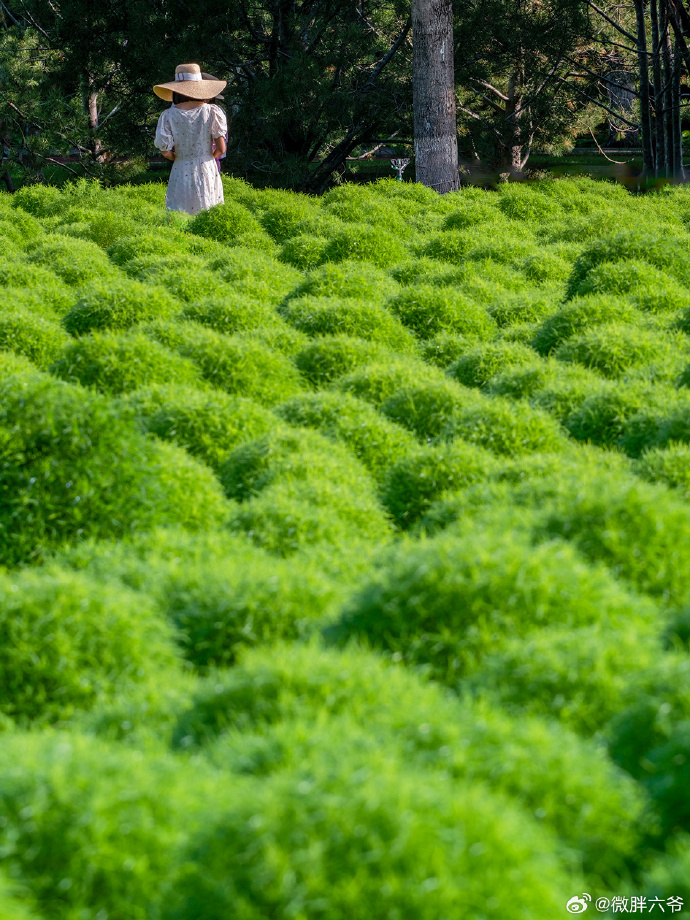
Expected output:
(164, 139)
(219, 122)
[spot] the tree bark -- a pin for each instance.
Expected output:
(7, 179)
(659, 137)
(679, 172)
(669, 110)
(645, 118)
(433, 95)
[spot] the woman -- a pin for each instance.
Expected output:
(196, 131)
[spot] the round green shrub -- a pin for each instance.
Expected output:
(472, 212)
(38, 339)
(511, 309)
(160, 244)
(304, 251)
(505, 427)
(280, 220)
(602, 418)
(522, 381)
(670, 870)
(444, 349)
(545, 267)
(415, 481)
(20, 228)
(669, 465)
(318, 316)
(39, 200)
(445, 603)
(353, 280)
(183, 276)
(304, 835)
(427, 407)
(365, 243)
(577, 677)
(68, 641)
(118, 363)
(281, 338)
(477, 366)
(375, 441)
(633, 527)
(73, 261)
(378, 381)
(225, 222)
(72, 467)
(237, 365)
(118, 306)
(613, 348)
(580, 316)
(255, 275)
(564, 394)
(428, 310)
(526, 203)
(208, 424)
(620, 278)
(102, 227)
(329, 357)
(234, 313)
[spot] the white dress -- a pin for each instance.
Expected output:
(194, 183)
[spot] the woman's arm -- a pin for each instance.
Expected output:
(168, 154)
(218, 147)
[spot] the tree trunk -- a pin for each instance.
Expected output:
(668, 106)
(645, 118)
(433, 94)
(7, 179)
(518, 139)
(659, 138)
(679, 172)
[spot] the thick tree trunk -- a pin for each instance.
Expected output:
(645, 117)
(659, 138)
(518, 137)
(433, 93)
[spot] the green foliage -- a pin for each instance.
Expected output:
(602, 418)
(613, 348)
(506, 428)
(669, 465)
(225, 223)
(427, 408)
(330, 357)
(68, 641)
(622, 277)
(234, 313)
(478, 365)
(118, 306)
(349, 280)
(304, 251)
(317, 316)
(446, 602)
(365, 243)
(579, 316)
(429, 310)
(240, 366)
(412, 484)
(63, 449)
(209, 424)
(118, 363)
(378, 381)
(375, 441)
(74, 261)
(38, 339)
(523, 307)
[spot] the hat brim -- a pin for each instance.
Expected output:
(193, 89)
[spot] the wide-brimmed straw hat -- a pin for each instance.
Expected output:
(189, 81)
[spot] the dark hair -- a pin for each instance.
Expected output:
(178, 98)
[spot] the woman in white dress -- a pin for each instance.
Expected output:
(196, 130)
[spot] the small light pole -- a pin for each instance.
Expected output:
(400, 165)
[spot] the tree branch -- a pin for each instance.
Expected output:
(612, 22)
(491, 88)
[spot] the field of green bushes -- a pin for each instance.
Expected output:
(344, 552)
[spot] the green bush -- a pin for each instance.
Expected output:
(38, 339)
(427, 407)
(365, 243)
(621, 278)
(378, 381)
(118, 363)
(523, 381)
(450, 246)
(298, 841)
(225, 223)
(184, 276)
(525, 203)
(513, 309)
(117, 306)
(39, 200)
(634, 528)
(414, 482)
(72, 467)
(669, 465)
(73, 261)
(159, 244)
(20, 229)
(429, 310)
(444, 349)
(240, 366)
(375, 441)
(208, 424)
(445, 603)
(255, 275)
(613, 348)
(571, 386)
(280, 220)
(68, 641)
(353, 280)
(602, 418)
(317, 316)
(477, 366)
(330, 357)
(234, 313)
(580, 316)
(506, 428)
(304, 251)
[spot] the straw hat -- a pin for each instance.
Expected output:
(189, 81)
